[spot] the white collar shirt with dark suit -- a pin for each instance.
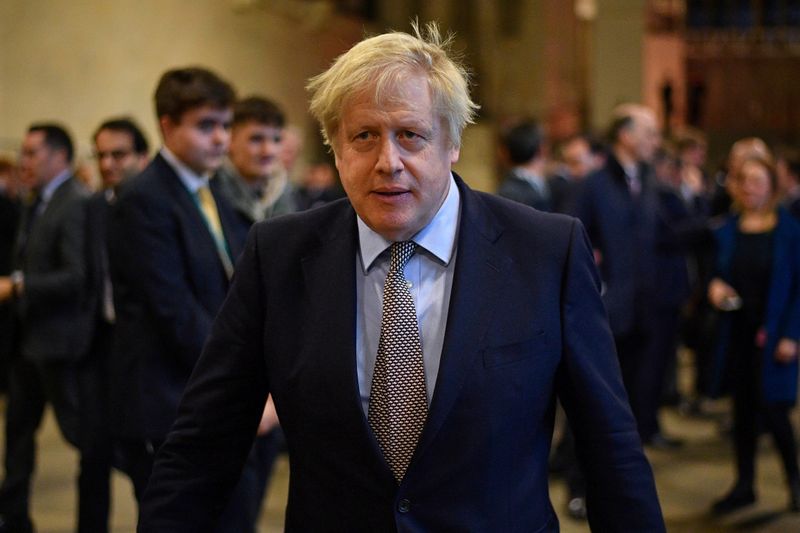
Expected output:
(525, 323)
(169, 283)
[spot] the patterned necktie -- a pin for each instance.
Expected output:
(398, 402)
(209, 208)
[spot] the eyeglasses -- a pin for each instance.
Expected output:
(116, 155)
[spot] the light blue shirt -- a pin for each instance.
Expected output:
(430, 272)
(50, 189)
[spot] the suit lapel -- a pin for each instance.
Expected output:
(198, 230)
(478, 271)
(50, 210)
(329, 274)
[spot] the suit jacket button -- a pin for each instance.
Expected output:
(404, 506)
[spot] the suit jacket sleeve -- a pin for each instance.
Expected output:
(146, 248)
(621, 493)
(67, 279)
(220, 410)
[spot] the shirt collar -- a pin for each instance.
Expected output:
(536, 181)
(190, 179)
(438, 237)
(49, 190)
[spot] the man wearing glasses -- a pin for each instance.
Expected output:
(121, 152)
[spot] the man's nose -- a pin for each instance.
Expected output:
(389, 161)
(221, 134)
(271, 148)
(105, 162)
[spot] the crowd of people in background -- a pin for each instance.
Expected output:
(688, 259)
(107, 296)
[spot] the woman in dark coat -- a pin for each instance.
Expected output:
(757, 286)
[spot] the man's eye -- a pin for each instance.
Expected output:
(409, 135)
(363, 136)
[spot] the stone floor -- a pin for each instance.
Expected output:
(688, 481)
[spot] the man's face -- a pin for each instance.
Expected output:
(647, 136)
(38, 162)
(577, 155)
(643, 137)
(394, 159)
(116, 157)
(255, 149)
(200, 138)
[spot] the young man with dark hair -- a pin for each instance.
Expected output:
(253, 179)
(523, 146)
(47, 289)
(172, 243)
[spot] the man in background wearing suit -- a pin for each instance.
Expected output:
(172, 244)
(121, 152)
(523, 147)
(48, 292)
(414, 337)
(619, 207)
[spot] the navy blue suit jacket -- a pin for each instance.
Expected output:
(168, 284)
(525, 323)
(623, 229)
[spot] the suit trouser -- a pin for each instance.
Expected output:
(660, 352)
(635, 351)
(94, 492)
(31, 386)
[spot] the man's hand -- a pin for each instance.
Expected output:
(6, 288)
(269, 419)
(786, 352)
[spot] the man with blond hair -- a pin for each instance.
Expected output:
(413, 336)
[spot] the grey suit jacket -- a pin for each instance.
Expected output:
(53, 311)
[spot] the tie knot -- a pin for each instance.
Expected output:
(401, 253)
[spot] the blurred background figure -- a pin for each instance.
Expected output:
(755, 286)
(723, 192)
(577, 159)
(681, 232)
(291, 152)
(619, 207)
(523, 149)
(318, 186)
(47, 289)
(120, 151)
(787, 167)
(9, 217)
(254, 179)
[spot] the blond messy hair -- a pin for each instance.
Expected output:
(379, 63)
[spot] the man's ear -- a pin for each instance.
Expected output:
(455, 153)
(166, 124)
